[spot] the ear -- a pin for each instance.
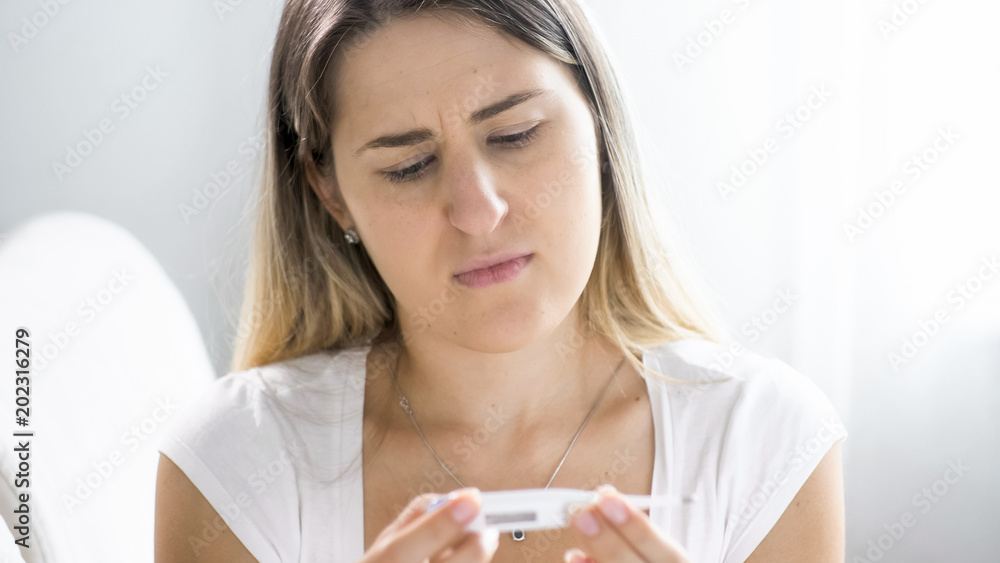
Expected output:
(328, 192)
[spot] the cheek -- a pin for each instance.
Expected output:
(401, 234)
(393, 236)
(407, 249)
(562, 197)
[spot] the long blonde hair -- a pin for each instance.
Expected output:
(307, 290)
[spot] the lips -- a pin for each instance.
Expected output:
(503, 271)
(489, 262)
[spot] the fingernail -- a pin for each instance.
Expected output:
(585, 522)
(574, 555)
(440, 501)
(613, 508)
(489, 539)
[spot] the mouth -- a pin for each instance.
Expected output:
(499, 272)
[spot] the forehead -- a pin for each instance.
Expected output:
(425, 68)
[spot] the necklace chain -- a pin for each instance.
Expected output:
(518, 535)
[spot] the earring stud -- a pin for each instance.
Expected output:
(351, 236)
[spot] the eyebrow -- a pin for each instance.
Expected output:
(422, 134)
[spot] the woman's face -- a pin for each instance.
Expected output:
(444, 184)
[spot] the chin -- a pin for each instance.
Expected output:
(501, 339)
(515, 330)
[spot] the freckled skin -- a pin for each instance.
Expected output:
(472, 191)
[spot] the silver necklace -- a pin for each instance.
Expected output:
(518, 535)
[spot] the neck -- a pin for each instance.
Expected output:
(554, 380)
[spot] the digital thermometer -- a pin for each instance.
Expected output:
(541, 509)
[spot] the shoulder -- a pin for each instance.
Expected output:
(733, 380)
(738, 392)
(748, 433)
(241, 441)
(251, 399)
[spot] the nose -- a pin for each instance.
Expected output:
(475, 204)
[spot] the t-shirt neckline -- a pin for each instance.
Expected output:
(656, 404)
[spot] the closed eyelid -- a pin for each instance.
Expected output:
(521, 139)
(514, 131)
(523, 127)
(419, 135)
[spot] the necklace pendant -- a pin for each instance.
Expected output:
(406, 406)
(518, 535)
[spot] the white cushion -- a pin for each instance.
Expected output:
(115, 354)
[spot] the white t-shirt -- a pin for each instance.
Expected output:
(266, 447)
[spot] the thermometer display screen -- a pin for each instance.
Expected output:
(506, 517)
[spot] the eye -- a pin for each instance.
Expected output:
(518, 140)
(411, 173)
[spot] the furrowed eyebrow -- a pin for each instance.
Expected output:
(503, 105)
(417, 136)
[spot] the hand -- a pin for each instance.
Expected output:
(416, 536)
(612, 530)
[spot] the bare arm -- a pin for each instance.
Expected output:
(812, 528)
(187, 527)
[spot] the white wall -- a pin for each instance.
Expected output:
(858, 296)
(201, 76)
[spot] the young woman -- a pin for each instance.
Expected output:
(457, 285)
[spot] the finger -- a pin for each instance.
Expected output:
(598, 537)
(476, 547)
(431, 532)
(635, 527)
(574, 555)
(415, 508)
